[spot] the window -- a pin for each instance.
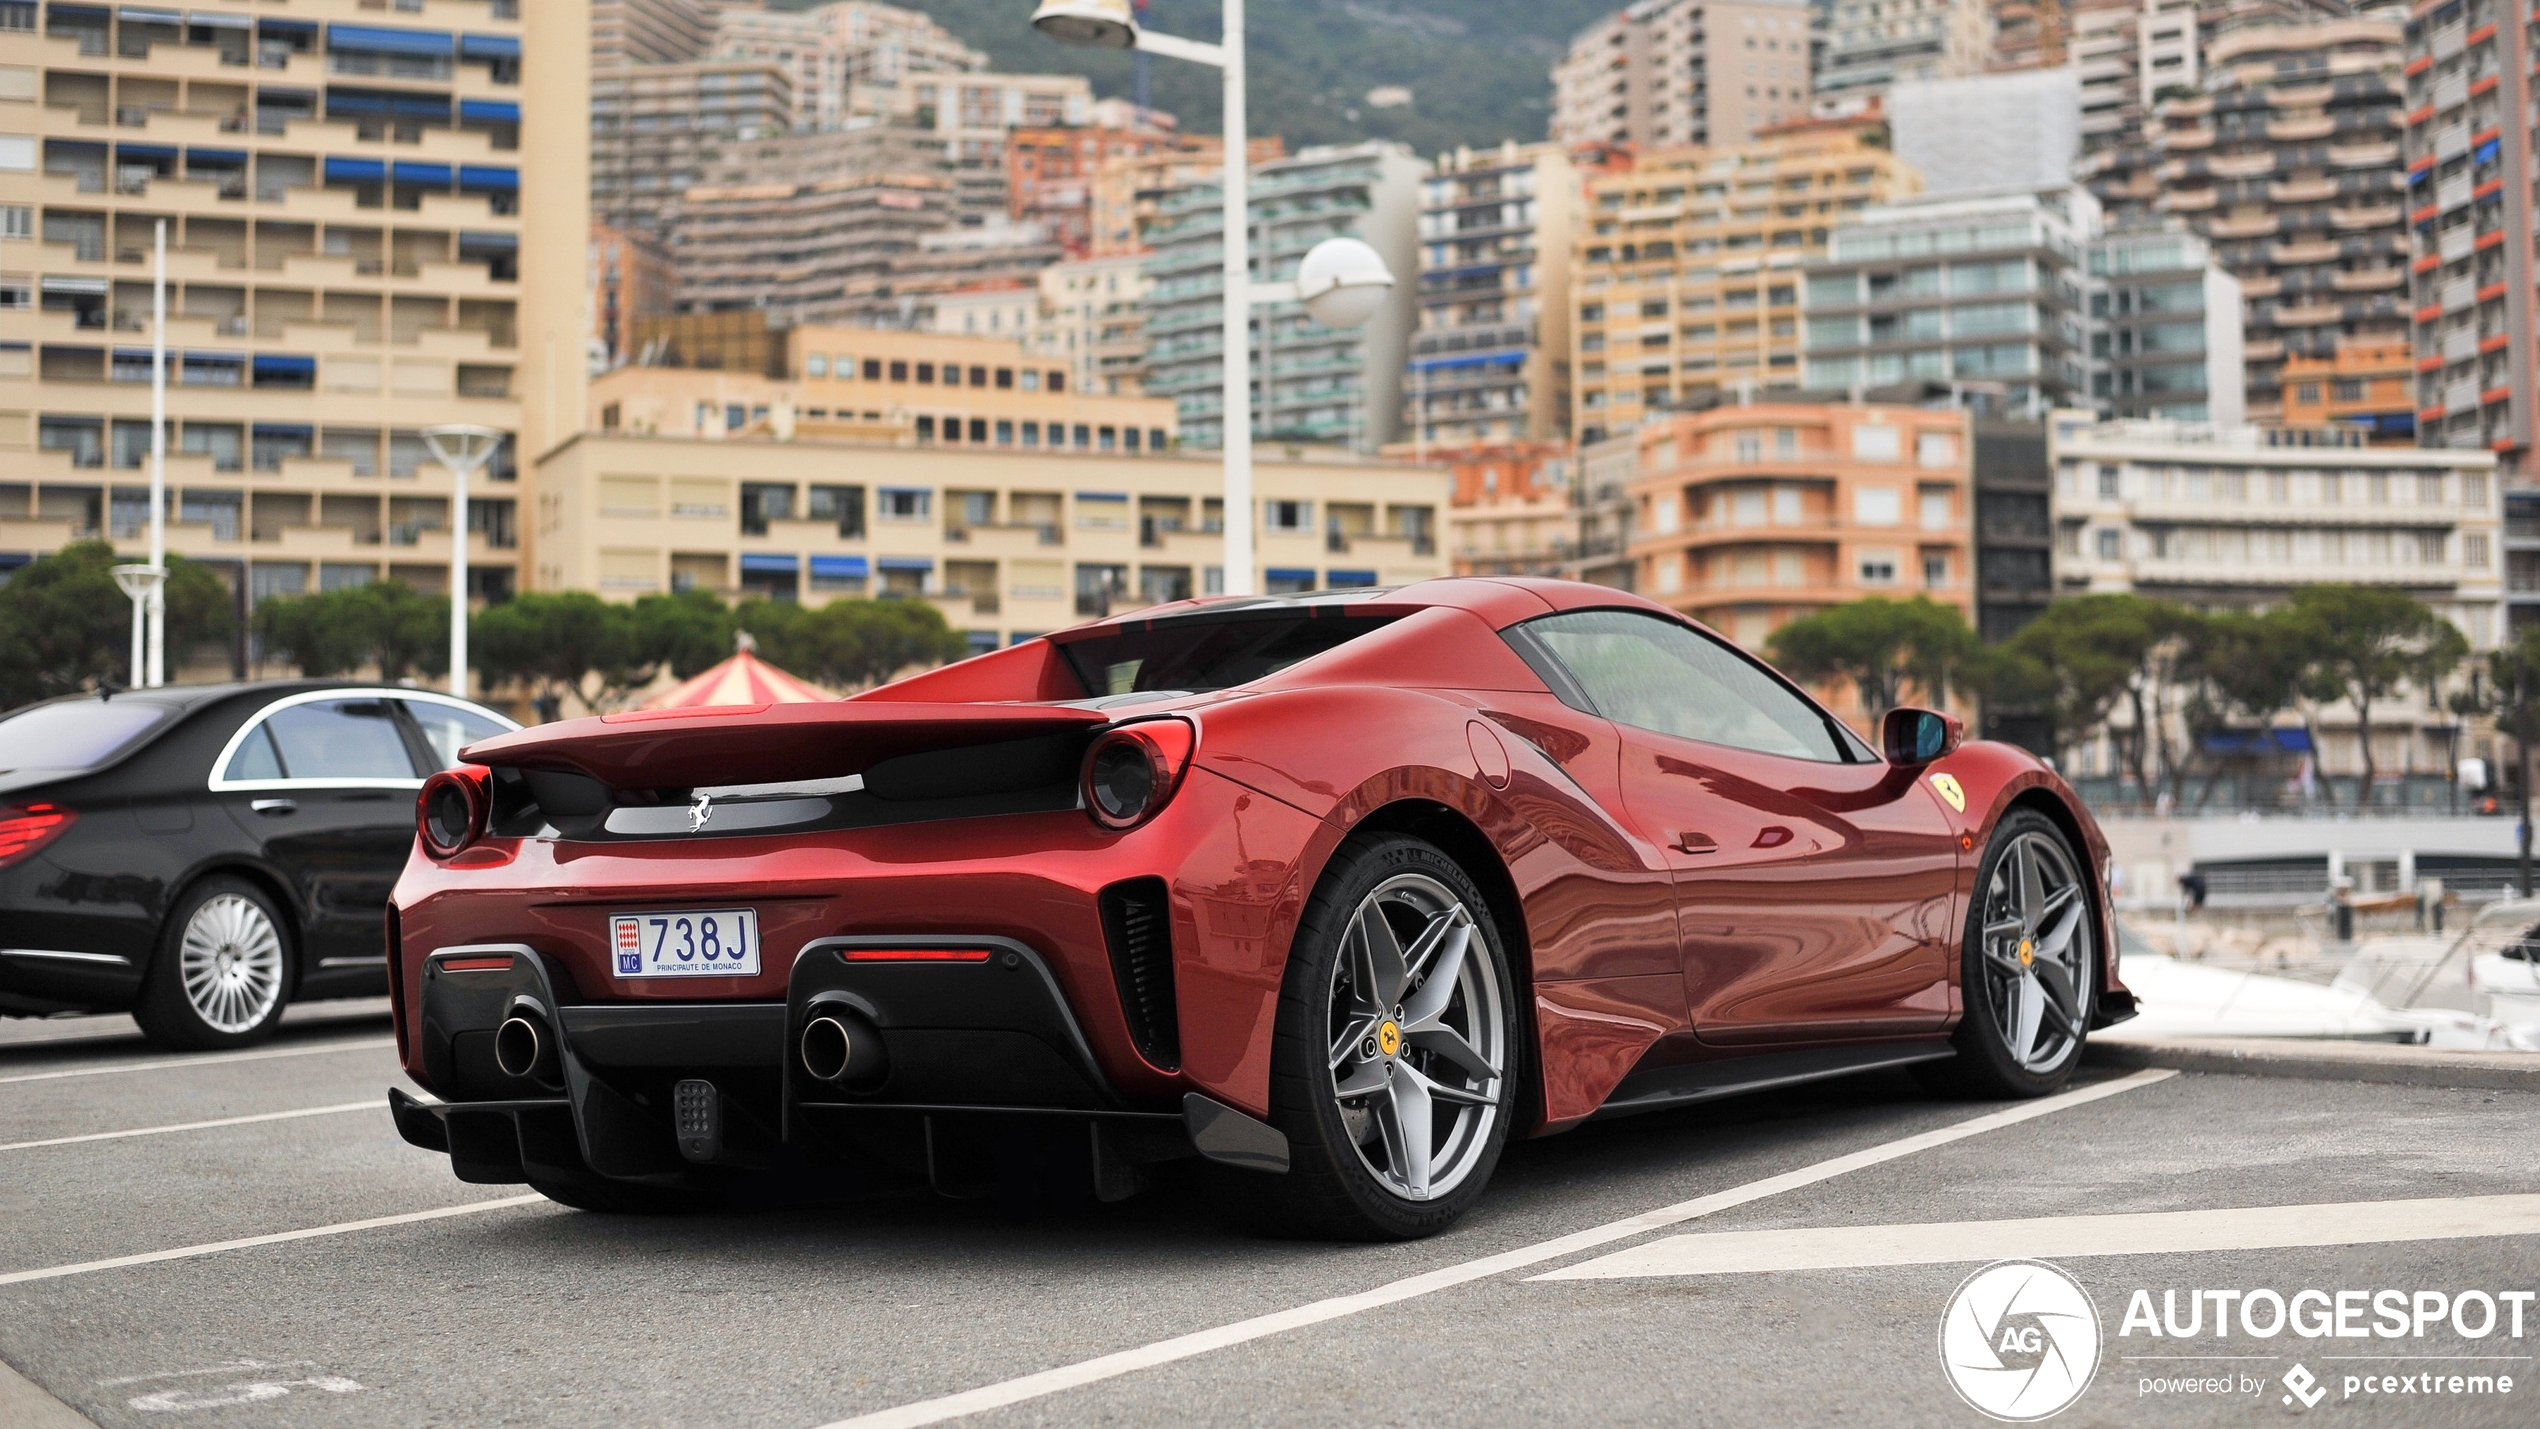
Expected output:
(1875, 443)
(80, 734)
(449, 728)
(2111, 543)
(2474, 489)
(2474, 551)
(326, 739)
(1878, 568)
(1933, 503)
(2108, 483)
(1288, 516)
(904, 503)
(1657, 675)
(1935, 571)
(816, 365)
(1935, 449)
(1878, 506)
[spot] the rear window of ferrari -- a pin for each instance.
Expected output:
(1209, 654)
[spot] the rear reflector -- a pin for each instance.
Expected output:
(914, 955)
(476, 965)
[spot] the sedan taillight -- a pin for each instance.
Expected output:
(25, 828)
(450, 811)
(1134, 768)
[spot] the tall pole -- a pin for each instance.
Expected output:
(458, 578)
(157, 673)
(1237, 404)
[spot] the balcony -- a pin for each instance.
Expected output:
(2371, 280)
(2375, 216)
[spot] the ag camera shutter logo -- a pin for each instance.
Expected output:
(2019, 1341)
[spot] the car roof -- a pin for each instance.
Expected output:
(1501, 601)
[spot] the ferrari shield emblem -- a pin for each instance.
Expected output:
(1950, 792)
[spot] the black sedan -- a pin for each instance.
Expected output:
(201, 855)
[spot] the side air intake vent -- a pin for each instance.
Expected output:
(1138, 923)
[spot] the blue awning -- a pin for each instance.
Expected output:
(488, 242)
(2258, 741)
(281, 27)
(283, 364)
(356, 101)
(840, 568)
(1291, 573)
(356, 171)
(770, 563)
(490, 111)
(908, 563)
(435, 176)
(1102, 496)
(215, 156)
(488, 47)
(1516, 355)
(482, 176)
(377, 39)
(82, 12)
(145, 151)
(2485, 153)
(1337, 580)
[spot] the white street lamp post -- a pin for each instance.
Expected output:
(158, 599)
(462, 449)
(1333, 298)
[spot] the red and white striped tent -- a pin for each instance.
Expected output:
(745, 679)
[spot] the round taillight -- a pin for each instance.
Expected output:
(1132, 770)
(449, 813)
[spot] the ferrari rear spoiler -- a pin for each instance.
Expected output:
(765, 744)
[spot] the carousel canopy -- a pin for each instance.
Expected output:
(745, 679)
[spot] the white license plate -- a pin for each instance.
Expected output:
(714, 942)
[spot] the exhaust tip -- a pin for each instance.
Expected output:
(524, 1048)
(841, 1047)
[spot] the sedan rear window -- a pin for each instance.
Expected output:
(1207, 655)
(77, 734)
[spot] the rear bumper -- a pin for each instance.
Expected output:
(963, 1041)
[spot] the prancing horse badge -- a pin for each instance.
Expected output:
(1950, 792)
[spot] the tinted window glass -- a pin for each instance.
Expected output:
(1207, 655)
(81, 734)
(255, 758)
(1655, 674)
(449, 729)
(341, 739)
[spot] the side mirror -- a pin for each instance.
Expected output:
(1911, 737)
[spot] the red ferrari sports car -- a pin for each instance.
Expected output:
(1339, 891)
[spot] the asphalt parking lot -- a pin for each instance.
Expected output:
(1734, 1307)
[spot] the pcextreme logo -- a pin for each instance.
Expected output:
(2019, 1340)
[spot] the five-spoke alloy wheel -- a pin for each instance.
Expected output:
(1396, 1069)
(2030, 964)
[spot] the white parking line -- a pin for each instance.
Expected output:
(372, 1104)
(209, 1059)
(1163, 1352)
(189, 1252)
(2068, 1237)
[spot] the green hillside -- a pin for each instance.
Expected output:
(1478, 70)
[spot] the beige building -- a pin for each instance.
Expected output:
(2236, 516)
(1511, 514)
(657, 129)
(1088, 312)
(1008, 544)
(1491, 358)
(372, 228)
(1667, 73)
(885, 386)
(1687, 275)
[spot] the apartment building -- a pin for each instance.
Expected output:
(2165, 330)
(2288, 164)
(1749, 515)
(1602, 504)
(1872, 44)
(1509, 511)
(845, 60)
(1967, 290)
(1088, 312)
(2014, 536)
(372, 228)
(2471, 210)
(2127, 54)
(974, 112)
(1664, 73)
(2369, 387)
(2030, 34)
(1312, 384)
(1984, 133)
(814, 251)
(1129, 191)
(1008, 544)
(878, 385)
(631, 278)
(649, 31)
(1491, 359)
(2234, 517)
(1051, 173)
(1687, 277)
(658, 129)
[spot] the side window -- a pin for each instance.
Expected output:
(341, 739)
(1655, 674)
(449, 729)
(255, 758)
